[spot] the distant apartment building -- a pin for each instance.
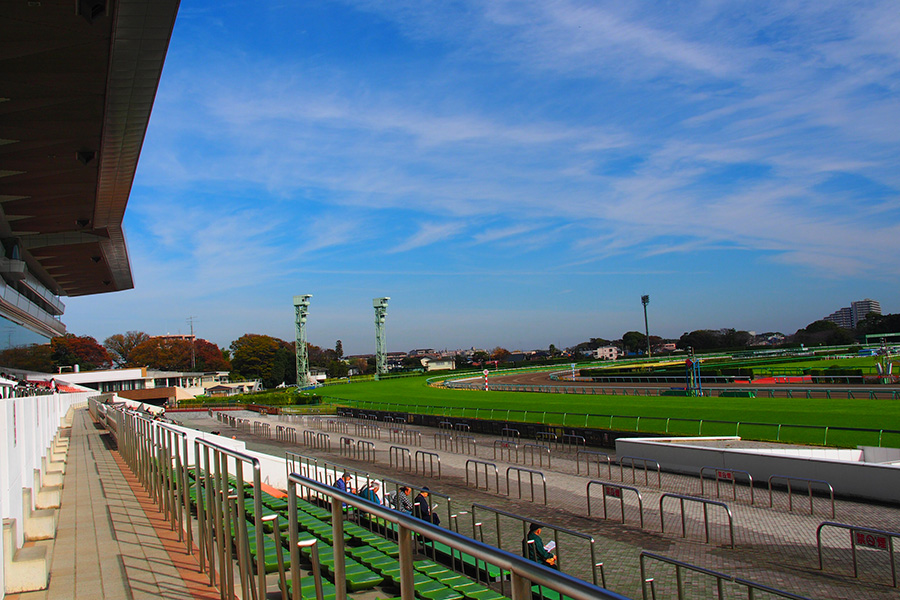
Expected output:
(849, 316)
(842, 317)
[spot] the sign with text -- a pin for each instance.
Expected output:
(725, 475)
(612, 491)
(871, 540)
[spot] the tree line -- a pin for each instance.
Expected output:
(251, 356)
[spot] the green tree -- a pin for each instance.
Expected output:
(823, 333)
(70, 350)
(700, 340)
(634, 341)
(337, 368)
(120, 345)
(263, 357)
(339, 350)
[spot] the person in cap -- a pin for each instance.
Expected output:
(422, 508)
(343, 484)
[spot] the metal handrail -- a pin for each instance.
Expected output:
(615, 490)
(555, 528)
(645, 461)
(431, 456)
(522, 571)
(403, 458)
(728, 475)
(854, 539)
(365, 450)
(531, 473)
(222, 513)
(532, 449)
(179, 494)
(706, 503)
(485, 464)
(788, 479)
(508, 446)
(720, 579)
(588, 454)
(331, 471)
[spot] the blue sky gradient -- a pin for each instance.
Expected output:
(514, 173)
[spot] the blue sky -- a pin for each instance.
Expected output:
(514, 173)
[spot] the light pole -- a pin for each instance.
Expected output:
(301, 352)
(380, 305)
(645, 300)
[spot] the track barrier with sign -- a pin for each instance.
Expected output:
(729, 475)
(617, 491)
(866, 537)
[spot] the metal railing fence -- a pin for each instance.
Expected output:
(522, 572)
(649, 588)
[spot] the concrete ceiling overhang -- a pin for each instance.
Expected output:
(77, 84)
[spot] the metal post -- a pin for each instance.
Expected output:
(407, 579)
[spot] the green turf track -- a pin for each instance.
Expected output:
(681, 415)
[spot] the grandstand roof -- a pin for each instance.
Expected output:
(79, 80)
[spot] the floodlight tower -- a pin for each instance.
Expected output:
(380, 305)
(301, 310)
(645, 300)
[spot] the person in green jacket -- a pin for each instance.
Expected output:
(533, 548)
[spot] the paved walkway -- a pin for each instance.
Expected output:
(112, 543)
(772, 546)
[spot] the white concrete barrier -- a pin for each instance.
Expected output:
(30, 465)
(844, 469)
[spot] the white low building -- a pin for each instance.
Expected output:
(606, 353)
(439, 364)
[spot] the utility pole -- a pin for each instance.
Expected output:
(193, 355)
(301, 352)
(645, 300)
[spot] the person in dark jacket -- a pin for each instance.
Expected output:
(343, 484)
(533, 548)
(422, 508)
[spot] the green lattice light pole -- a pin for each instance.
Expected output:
(380, 305)
(301, 310)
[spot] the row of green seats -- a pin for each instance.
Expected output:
(433, 581)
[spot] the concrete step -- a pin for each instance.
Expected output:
(38, 524)
(47, 496)
(25, 569)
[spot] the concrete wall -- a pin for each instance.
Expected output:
(848, 478)
(27, 428)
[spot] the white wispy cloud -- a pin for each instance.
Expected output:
(428, 234)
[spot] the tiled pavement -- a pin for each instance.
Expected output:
(772, 546)
(112, 543)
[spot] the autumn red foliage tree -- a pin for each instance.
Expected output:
(175, 355)
(121, 345)
(29, 358)
(70, 350)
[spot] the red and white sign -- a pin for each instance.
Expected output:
(486, 372)
(612, 491)
(871, 540)
(725, 475)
